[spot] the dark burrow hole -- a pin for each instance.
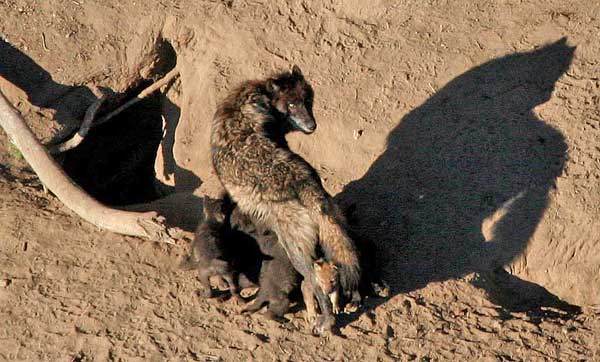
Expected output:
(115, 161)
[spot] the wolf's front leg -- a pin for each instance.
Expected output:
(309, 300)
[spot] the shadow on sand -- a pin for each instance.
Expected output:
(115, 162)
(473, 148)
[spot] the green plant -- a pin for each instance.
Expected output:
(15, 151)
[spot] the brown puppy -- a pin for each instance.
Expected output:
(327, 276)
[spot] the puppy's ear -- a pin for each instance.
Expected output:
(271, 87)
(208, 207)
(227, 204)
(296, 72)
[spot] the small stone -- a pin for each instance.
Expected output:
(5, 283)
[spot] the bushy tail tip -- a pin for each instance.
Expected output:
(349, 277)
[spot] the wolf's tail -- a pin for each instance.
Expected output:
(300, 230)
(298, 235)
(340, 249)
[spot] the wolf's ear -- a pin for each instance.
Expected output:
(271, 87)
(226, 203)
(296, 72)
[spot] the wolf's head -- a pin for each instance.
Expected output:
(292, 96)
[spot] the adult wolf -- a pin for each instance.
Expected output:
(278, 187)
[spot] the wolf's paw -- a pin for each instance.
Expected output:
(351, 307)
(323, 325)
(205, 293)
(335, 309)
(249, 292)
(381, 288)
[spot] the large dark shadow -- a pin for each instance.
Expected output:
(69, 102)
(115, 162)
(471, 149)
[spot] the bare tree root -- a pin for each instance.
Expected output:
(78, 137)
(143, 94)
(147, 224)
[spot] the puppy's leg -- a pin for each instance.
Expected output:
(206, 291)
(233, 287)
(255, 305)
(278, 306)
(334, 298)
(354, 304)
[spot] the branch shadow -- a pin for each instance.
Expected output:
(473, 150)
(115, 162)
(69, 102)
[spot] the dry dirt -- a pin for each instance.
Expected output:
(467, 134)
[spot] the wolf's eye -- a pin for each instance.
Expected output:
(291, 105)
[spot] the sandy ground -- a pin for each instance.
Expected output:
(467, 135)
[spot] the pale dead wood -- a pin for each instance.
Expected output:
(78, 137)
(147, 224)
(143, 94)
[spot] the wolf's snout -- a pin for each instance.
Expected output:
(311, 127)
(304, 124)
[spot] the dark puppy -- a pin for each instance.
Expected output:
(278, 278)
(209, 253)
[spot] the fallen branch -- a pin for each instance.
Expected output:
(143, 94)
(147, 224)
(78, 137)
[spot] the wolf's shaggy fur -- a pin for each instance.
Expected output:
(276, 186)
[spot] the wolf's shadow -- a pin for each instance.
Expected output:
(470, 150)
